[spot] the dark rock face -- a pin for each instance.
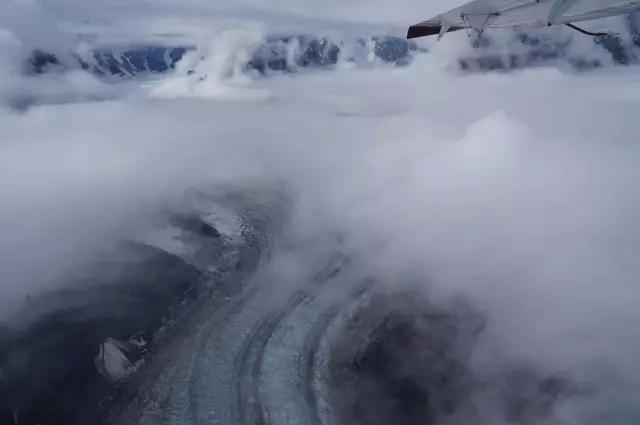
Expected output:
(194, 223)
(531, 49)
(414, 368)
(39, 61)
(290, 53)
(620, 53)
(123, 63)
(277, 54)
(410, 368)
(48, 370)
(134, 61)
(393, 49)
(409, 380)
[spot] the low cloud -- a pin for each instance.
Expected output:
(516, 190)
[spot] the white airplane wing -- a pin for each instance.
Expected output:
(479, 15)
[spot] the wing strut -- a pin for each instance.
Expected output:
(584, 31)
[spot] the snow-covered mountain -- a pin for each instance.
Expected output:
(291, 53)
(275, 54)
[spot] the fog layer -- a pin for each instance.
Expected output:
(517, 191)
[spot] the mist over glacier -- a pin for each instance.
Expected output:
(517, 191)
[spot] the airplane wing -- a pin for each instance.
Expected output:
(479, 15)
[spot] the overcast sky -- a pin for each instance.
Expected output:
(192, 17)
